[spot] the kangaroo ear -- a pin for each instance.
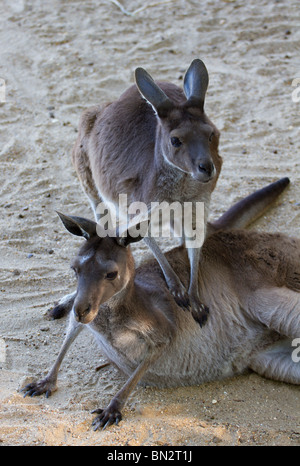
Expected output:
(79, 226)
(152, 92)
(196, 83)
(133, 234)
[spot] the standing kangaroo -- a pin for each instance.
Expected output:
(250, 281)
(154, 144)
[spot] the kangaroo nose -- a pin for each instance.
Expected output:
(81, 311)
(206, 168)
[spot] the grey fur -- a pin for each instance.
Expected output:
(250, 280)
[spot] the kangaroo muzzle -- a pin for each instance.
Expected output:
(204, 170)
(83, 311)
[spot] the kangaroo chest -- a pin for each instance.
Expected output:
(121, 345)
(186, 360)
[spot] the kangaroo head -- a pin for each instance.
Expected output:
(186, 138)
(103, 266)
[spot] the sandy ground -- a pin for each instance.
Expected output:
(57, 58)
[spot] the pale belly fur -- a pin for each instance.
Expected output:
(193, 357)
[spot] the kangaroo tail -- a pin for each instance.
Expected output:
(249, 209)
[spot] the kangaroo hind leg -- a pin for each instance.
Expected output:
(62, 308)
(278, 309)
(278, 362)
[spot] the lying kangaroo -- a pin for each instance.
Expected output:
(250, 280)
(154, 144)
(240, 215)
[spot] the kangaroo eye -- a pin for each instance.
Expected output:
(111, 275)
(176, 142)
(211, 136)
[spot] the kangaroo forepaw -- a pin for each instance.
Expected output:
(182, 299)
(106, 417)
(180, 295)
(38, 388)
(199, 311)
